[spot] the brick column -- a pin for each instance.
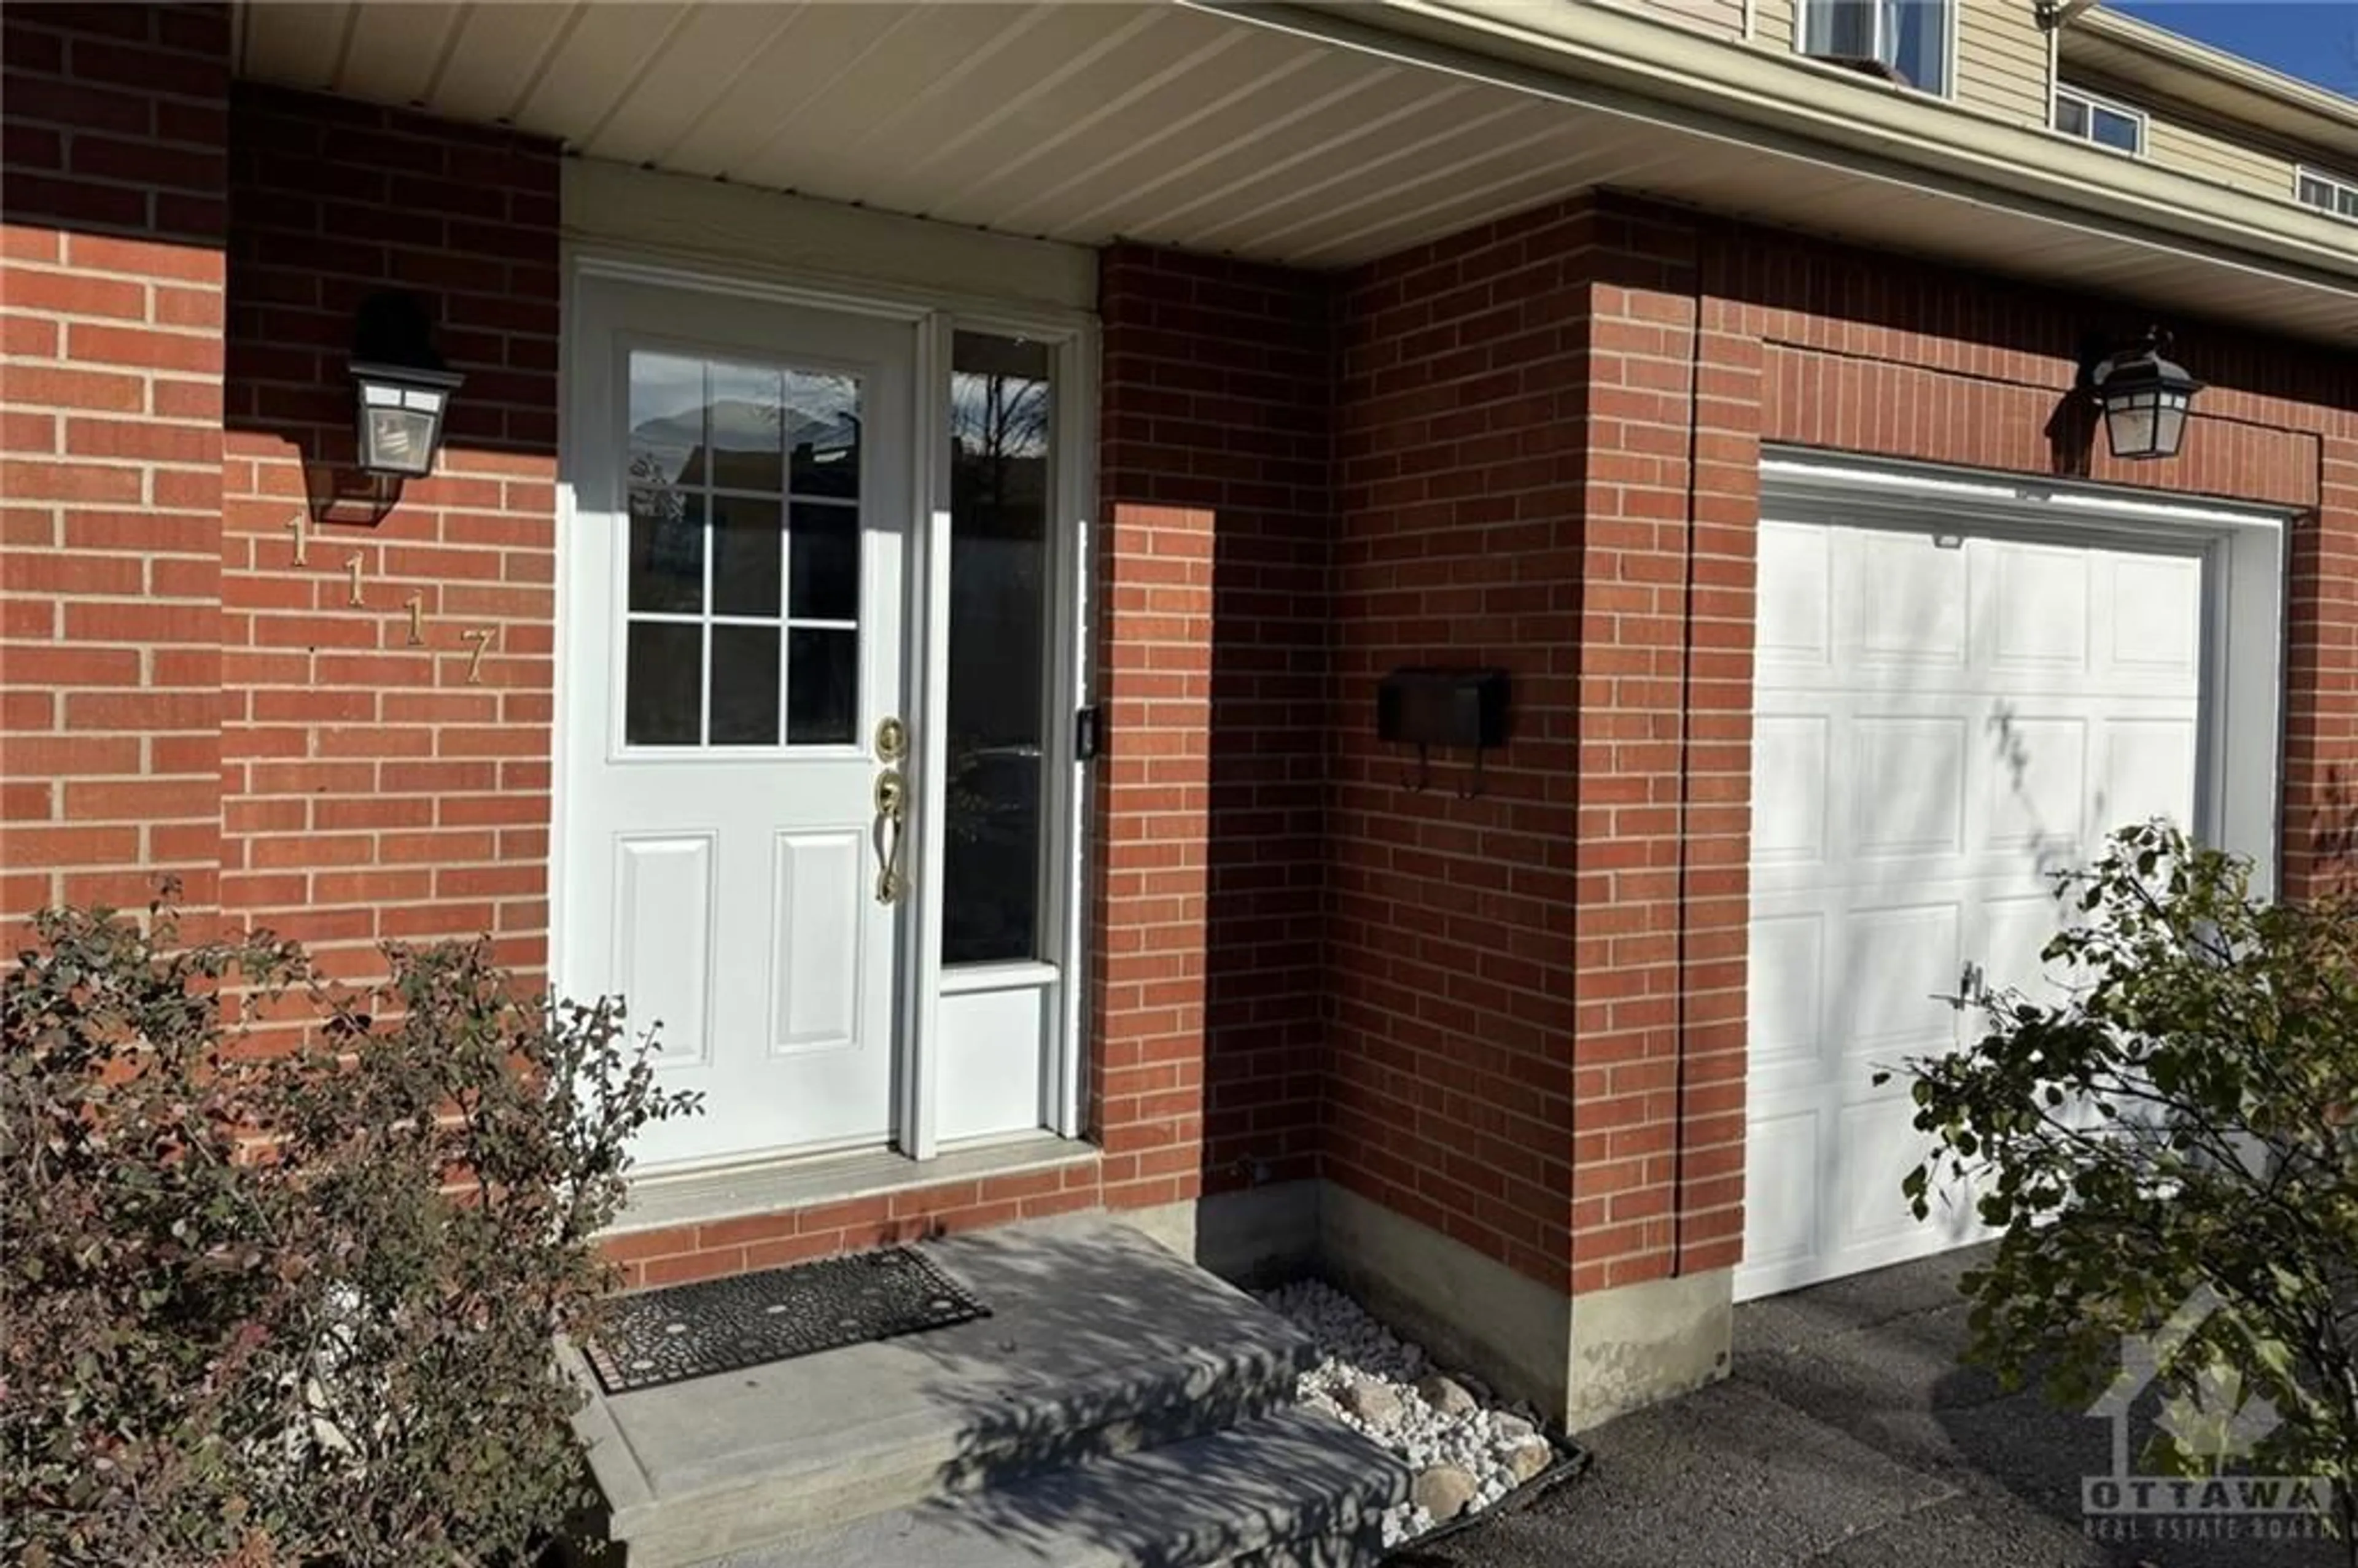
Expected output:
(1636, 867)
(2321, 784)
(1715, 895)
(1150, 802)
(1210, 887)
(112, 307)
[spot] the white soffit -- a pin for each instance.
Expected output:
(1158, 123)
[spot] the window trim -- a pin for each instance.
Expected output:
(2304, 172)
(1952, 15)
(2093, 102)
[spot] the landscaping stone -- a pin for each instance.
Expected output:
(1445, 1394)
(1444, 1491)
(1529, 1457)
(1444, 1423)
(1371, 1401)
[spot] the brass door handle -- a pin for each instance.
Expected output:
(892, 816)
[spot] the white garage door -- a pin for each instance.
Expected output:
(1940, 726)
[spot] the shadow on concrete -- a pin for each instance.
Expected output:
(1849, 1435)
(1102, 1347)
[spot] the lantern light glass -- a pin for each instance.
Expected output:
(2145, 399)
(401, 414)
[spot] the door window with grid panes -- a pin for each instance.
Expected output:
(741, 610)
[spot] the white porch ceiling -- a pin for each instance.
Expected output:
(1089, 122)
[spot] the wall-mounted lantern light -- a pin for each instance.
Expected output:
(2144, 398)
(404, 387)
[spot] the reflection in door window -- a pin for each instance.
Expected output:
(743, 478)
(1000, 413)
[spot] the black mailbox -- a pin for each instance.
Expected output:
(1423, 705)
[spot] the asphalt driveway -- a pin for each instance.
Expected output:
(1846, 1436)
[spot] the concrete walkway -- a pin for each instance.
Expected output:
(1846, 1437)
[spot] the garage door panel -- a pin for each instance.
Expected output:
(2149, 769)
(1877, 1147)
(2016, 929)
(1792, 768)
(1788, 1026)
(1910, 776)
(2033, 602)
(1780, 1186)
(2156, 618)
(2037, 782)
(1982, 713)
(1795, 594)
(1907, 598)
(1894, 963)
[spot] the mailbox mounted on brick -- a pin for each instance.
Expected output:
(1427, 705)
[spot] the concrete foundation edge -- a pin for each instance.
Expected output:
(1639, 1344)
(1252, 1237)
(1467, 1310)
(1580, 1360)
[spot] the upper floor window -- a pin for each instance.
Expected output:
(2327, 192)
(2094, 119)
(1908, 40)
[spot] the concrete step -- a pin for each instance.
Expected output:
(1100, 1343)
(1295, 1489)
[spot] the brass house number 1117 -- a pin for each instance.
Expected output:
(479, 639)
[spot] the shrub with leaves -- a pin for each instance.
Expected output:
(297, 1306)
(2180, 1127)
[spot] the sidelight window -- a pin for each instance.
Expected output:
(1000, 465)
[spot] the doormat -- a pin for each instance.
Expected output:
(654, 1337)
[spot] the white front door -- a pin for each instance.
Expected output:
(1938, 725)
(734, 602)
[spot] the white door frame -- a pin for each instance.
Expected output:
(1073, 337)
(2244, 550)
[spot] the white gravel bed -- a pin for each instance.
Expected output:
(1466, 1448)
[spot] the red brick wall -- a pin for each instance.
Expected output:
(1459, 469)
(374, 788)
(110, 452)
(1548, 459)
(679, 1253)
(1213, 661)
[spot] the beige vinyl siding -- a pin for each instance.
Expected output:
(1772, 22)
(1721, 18)
(2002, 61)
(2173, 142)
(2199, 151)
